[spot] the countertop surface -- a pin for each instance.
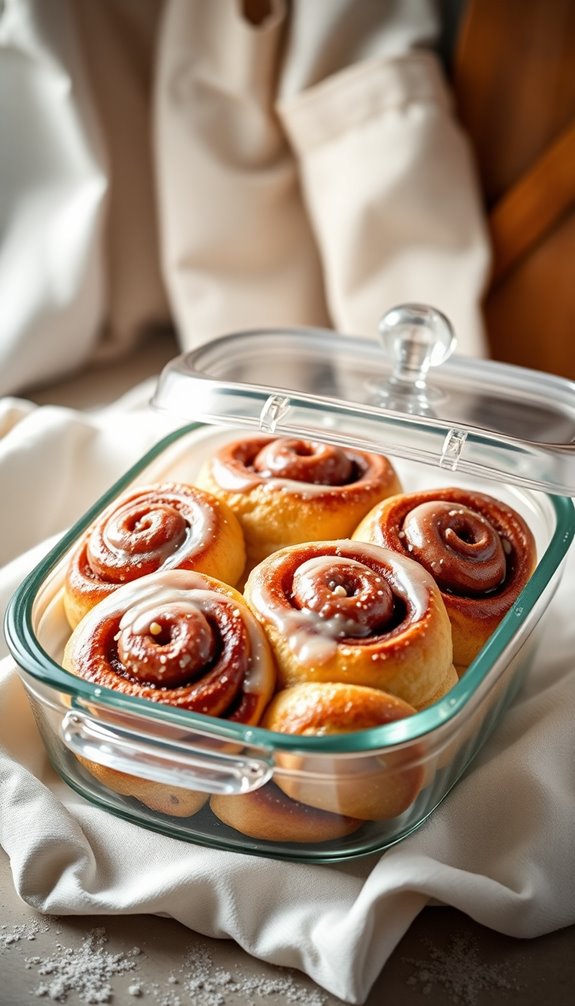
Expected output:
(444, 958)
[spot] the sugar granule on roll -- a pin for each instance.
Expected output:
(286, 491)
(479, 550)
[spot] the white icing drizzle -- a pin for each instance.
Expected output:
(315, 639)
(235, 479)
(231, 474)
(197, 515)
(200, 530)
(337, 626)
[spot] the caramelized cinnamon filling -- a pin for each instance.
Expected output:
(344, 592)
(458, 546)
(304, 461)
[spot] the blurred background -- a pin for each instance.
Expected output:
(171, 170)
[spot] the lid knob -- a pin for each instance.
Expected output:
(415, 337)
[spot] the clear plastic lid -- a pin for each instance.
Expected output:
(404, 394)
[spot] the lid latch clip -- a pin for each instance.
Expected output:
(273, 410)
(452, 449)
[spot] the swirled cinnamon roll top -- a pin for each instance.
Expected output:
(179, 638)
(285, 491)
(355, 613)
(162, 526)
(479, 550)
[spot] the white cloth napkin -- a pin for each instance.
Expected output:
(499, 848)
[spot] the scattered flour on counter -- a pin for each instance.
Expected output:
(25, 931)
(460, 972)
(87, 970)
(211, 985)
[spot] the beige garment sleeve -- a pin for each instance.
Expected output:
(310, 170)
(391, 192)
(237, 246)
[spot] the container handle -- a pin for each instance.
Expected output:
(185, 765)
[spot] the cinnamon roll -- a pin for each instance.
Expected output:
(373, 787)
(164, 526)
(182, 639)
(175, 801)
(356, 613)
(268, 814)
(286, 491)
(479, 550)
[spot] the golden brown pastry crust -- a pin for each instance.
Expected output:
(286, 491)
(356, 613)
(480, 551)
(162, 526)
(369, 787)
(268, 814)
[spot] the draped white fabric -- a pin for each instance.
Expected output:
(499, 848)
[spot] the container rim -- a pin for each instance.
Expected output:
(33, 659)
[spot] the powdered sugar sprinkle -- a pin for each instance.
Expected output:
(88, 972)
(24, 931)
(459, 970)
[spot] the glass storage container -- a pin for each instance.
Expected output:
(443, 421)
